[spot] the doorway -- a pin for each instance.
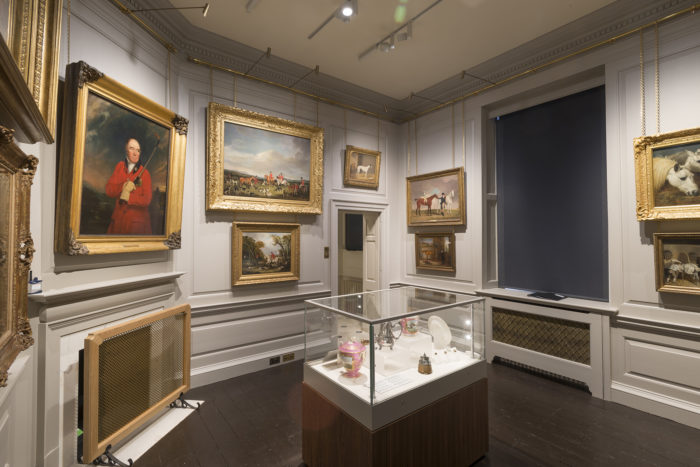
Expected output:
(358, 251)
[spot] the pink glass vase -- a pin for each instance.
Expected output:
(351, 355)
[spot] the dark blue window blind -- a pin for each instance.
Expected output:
(552, 202)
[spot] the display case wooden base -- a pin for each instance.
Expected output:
(452, 431)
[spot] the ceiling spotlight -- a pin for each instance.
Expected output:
(407, 34)
(346, 10)
(205, 10)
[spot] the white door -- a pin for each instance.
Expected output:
(370, 249)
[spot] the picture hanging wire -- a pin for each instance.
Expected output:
(408, 147)
(415, 136)
(453, 136)
(345, 125)
(317, 105)
(235, 91)
(378, 130)
(464, 138)
(211, 84)
(295, 107)
(642, 110)
(656, 78)
(167, 82)
(68, 34)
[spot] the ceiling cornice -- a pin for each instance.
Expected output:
(597, 27)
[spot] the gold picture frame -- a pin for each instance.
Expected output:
(667, 170)
(16, 249)
(677, 261)
(264, 252)
(33, 38)
(436, 198)
(105, 125)
(361, 167)
(435, 251)
(259, 163)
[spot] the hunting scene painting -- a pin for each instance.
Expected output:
(436, 198)
(265, 252)
(361, 167)
(122, 146)
(678, 262)
(668, 175)
(262, 163)
(435, 251)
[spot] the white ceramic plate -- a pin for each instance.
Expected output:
(440, 331)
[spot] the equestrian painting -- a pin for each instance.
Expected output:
(264, 253)
(361, 167)
(677, 262)
(436, 198)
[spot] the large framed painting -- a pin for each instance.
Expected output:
(436, 198)
(435, 251)
(260, 163)
(16, 249)
(32, 31)
(668, 175)
(121, 169)
(677, 258)
(361, 167)
(264, 252)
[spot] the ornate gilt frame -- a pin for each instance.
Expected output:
(659, 242)
(219, 114)
(349, 180)
(460, 219)
(644, 147)
(81, 79)
(34, 41)
(451, 236)
(16, 248)
(237, 276)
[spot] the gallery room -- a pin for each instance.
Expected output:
(349, 232)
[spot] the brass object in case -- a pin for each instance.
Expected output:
(424, 366)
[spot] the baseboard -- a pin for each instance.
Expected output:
(657, 404)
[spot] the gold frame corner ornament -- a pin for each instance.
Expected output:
(644, 147)
(216, 200)
(348, 179)
(239, 228)
(82, 79)
(16, 250)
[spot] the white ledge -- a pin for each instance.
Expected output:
(99, 289)
(576, 304)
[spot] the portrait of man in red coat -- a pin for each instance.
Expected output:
(130, 186)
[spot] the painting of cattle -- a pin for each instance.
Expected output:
(260, 163)
(436, 198)
(668, 175)
(264, 253)
(677, 262)
(361, 167)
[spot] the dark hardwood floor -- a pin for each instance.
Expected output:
(254, 420)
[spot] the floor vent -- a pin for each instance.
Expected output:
(542, 373)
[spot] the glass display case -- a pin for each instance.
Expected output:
(381, 355)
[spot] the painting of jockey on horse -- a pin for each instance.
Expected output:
(436, 198)
(261, 163)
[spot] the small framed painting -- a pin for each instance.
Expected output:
(435, 251)
(677, 262)
(263, 252)
(668, 175)
(361, 167)
(436, 198)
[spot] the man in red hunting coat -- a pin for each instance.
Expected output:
(130, 184)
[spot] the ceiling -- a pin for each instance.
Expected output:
(457, 49)
(452, 36)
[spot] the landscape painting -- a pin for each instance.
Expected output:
(677, 262)
(262, 163)
(436, 198)
(265, 252)
(668, 175)
(435, 251)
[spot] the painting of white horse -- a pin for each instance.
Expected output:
(361, 167)
(677, 262)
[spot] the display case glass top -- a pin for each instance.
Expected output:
(390, 304)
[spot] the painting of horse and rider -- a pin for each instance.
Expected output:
(262, 163)
(436, 198)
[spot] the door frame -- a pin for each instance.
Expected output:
(360, 207)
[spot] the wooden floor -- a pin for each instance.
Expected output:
(254, 420)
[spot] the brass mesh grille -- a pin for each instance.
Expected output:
(552, 336)
(138, 369)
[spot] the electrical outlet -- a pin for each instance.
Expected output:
(274, 360)
(288, 357)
